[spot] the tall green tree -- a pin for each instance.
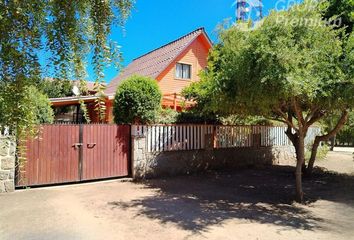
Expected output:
(41, 106)
(290, 69)
(56, 88)
(342, 10)
(346, 135)
(67, 32)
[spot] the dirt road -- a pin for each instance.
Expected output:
(247, 204)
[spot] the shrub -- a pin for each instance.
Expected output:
(41, 106)
(35, 108)
(138, 100)
(246, 120)
(167, 116)
(57, 88)
(346, 135)
(193, 116)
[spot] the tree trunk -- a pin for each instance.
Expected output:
(333, 143)
(298, 141)
(319, 139)
(300, 157)
(312, 160)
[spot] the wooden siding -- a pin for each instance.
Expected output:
(196, 55)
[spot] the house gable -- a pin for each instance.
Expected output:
(156, 63)
(195, 55)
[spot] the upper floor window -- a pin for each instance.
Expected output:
(183, 71)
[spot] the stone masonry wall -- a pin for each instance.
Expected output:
(150, 165)
(7, 164)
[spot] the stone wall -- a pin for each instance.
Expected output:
(284, 155)
(170, 163)
(7, 164)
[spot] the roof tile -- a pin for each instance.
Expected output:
(153, 63)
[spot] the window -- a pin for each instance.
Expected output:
(183, 71)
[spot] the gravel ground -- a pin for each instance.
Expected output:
(245, 204)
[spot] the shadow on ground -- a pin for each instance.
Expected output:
(197, 202)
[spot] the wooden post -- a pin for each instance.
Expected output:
(175, 102)
(214, 137)
(77, 114)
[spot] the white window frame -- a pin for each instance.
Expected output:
(183, 65)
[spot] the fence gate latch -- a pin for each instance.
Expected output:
(77, 145)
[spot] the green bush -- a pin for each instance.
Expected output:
(346, 135)
(35, 108)
(196, 117)
(248, 120)
(166, 116)
(169, 116)
(57, 88)
(41, 106)
(138, 100)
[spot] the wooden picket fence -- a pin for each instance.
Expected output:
(4, 131)
(161, 138)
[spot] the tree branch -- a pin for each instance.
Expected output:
(298, 113)
(316, 116)
(312, 112)
(285, 118)
(336, 129)
(318, 139)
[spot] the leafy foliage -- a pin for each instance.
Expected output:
(35, 104)
(138, 100)
(292, 69)
(67, 32)
(346, 135)
(169, 116)
(57, 88)
(341, 9)
(250, 120)
(41, 106)
(166, 116)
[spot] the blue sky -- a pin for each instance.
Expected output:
(157, 22)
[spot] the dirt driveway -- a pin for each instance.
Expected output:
(247, 204)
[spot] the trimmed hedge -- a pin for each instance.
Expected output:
(137, 100)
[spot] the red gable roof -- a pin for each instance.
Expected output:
(152, 64)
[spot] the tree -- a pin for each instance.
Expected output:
(346, 135)
(138, 100)
(65, 31)
(41, 106)
(57, 88)
(342, 10)
(289, 69)
(36, 106)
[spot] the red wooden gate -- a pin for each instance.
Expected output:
(74, 153)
